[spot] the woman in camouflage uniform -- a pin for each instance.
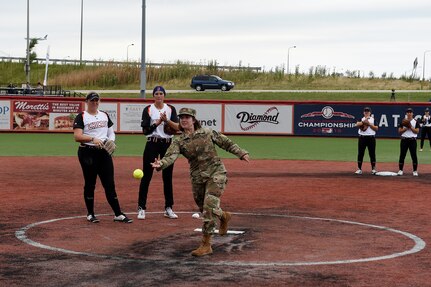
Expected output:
(207, 172)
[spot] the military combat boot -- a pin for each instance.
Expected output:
(224, 219)
(205, 247)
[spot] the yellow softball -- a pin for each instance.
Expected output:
(138, 173)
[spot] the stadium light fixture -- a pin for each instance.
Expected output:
(127, 58)
(288, 56)
(423, 67)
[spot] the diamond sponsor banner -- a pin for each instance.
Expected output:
(258, 119)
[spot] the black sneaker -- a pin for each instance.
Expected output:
(122, 218)
(91, 218)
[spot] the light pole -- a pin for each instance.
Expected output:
(82, 21)
(288, 55)
(423, 67)
(127, 59)
(27, 62)
(143, 66)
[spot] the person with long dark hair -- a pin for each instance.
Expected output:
(159, 122)
(207, 172)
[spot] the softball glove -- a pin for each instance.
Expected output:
(406, 123)
(109, 146)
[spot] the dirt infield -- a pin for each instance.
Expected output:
(306, 224)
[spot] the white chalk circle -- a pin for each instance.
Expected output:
(419, 244)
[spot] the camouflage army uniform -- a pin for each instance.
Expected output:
(207, 172)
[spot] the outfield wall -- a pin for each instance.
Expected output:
(56, 114)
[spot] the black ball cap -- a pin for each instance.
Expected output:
(91, 96)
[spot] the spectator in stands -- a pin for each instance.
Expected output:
(27, 88)
(39, 88)
(11, 89)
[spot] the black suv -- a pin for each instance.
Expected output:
(202, 82)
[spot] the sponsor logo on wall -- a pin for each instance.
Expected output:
(249, 120)
(327, 120)
(258, 119)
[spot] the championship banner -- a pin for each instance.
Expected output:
(340, 120)
(39, 115)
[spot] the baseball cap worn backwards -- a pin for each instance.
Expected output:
(91, 96)
(187, 111)
(159, 89)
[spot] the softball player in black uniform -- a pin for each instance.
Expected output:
(91, 128)
(409, 129)
(425, 128)
(155, 119)
(367, 132)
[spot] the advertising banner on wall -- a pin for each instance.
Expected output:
(131, 114)
(258, 119)
(111, 110)
(39, 115)
(340, 120)
(4, 115)
(209, 115)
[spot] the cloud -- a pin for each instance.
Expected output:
(380, 36)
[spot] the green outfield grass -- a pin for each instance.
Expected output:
(260, 147)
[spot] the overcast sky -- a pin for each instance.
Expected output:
(365, 35)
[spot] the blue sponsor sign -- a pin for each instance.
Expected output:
(340, 119)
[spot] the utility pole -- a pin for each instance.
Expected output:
(143, 66)
(82, 21)
(27, 62)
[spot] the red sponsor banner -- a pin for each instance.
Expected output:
(44, 115)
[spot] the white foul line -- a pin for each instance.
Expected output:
(419, 244)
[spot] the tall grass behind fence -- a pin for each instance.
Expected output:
(178, 76)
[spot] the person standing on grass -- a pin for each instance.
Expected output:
(207, 171)
(91, 129)
(408, 129)
(367, 139)
(425, 123)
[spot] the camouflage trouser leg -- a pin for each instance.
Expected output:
(209, 196)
